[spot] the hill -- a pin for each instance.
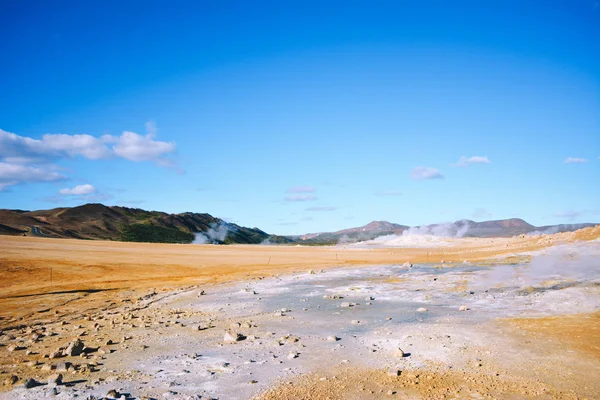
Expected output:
(463, 228)
(97, 221)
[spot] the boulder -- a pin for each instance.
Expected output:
(75, 348)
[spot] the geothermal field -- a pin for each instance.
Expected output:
(406, 318)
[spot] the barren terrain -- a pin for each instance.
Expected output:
(474, 318)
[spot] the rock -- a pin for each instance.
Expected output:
(394, 372)
(11, 380)
(407, 265)
(109, 342)
(333, 297)
(203, 326)
(400, 353)
(31, 383)
(332, 338)
(231, 336)
(390, 393)
(48, 367)
(345, 304)
(104, 350)
(292, 355)
(246, 325)
(355, 322)
(63, 366)
(75, 348)
(421, 309)
(369, 298)
(463, 308)
(56, 354)
(55, 379)
(14, 347)
(284, 310)
(112, 394)
(311, 272)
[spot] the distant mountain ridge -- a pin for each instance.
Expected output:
(97, 221)
(463, 228)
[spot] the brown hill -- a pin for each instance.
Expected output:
(97, 221)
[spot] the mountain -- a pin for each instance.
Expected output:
(97, 221)
(462, 228)
(362, 233)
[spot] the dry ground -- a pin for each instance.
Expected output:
(46, 280)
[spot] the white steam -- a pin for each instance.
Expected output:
(422, 236)
(567, 263)
(215, 234)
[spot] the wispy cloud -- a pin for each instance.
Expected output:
(422, 173)
(388, 193)
(568, 214)
(575, 160)
(78, 190)
(321, 208)
(13, 174)
(300, 197)
(301, 189)
(27, 160)
(465, 162)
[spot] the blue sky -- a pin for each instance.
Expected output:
(300, 117)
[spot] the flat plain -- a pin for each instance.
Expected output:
(473, 318)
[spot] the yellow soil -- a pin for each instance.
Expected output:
(36, 267)
(579, 331)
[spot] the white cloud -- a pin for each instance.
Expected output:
(465, 162)
(32, 160)
(575, 160)
(134, 147)
(78, 190)
(421, 173)
(13, 174)
(300, 197)
(301, 189)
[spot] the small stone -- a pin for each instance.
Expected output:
(14, 347)
(48, 367)
(63, 366)
(332, 338)
(56, 354)
(30, 383)
(345, 304)
(75, 348)
(55, 379)
(394, 372)
(407, 265)
(112, 394)
(11, 380)
(231, 336)
(390, 393)
(463, 308)
(421, 309)
(292, 355)
(252, 382)
(355, 322)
